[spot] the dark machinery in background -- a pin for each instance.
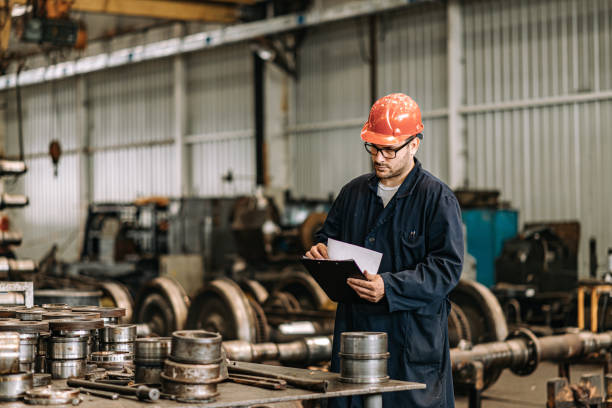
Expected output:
(537, 275)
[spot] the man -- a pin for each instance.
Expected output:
(414, 219)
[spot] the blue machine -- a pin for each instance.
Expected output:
(487, 230)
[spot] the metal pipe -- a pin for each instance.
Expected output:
(520, 353)
(307, 351)
(372, 401)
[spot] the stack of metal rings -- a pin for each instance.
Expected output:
(117, 337)
(149, 357)
(109, 315)
(195, 366)
(68, 346)
(13, 383)
(29, 332)
(363, 357)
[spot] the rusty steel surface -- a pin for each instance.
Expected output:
(196, 347)
(73, 324)
(104, 312)
(23, 326)
(239, 395)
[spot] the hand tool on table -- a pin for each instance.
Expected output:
(101, 394)
(256, 381)
(238, 367)
(142, 391)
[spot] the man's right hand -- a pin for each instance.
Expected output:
(318, 251)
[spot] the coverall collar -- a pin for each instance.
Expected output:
(407, 185)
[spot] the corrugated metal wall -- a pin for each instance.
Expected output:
(131, 106)
(220, 114)
(333, 87)
(412, 60)
(49, 112)
(550, 159)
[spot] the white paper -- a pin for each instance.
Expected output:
(366, 259)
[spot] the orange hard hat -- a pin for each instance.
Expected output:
(393, 119)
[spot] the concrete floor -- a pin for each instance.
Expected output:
(511, 391)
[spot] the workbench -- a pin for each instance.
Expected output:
(238, 395)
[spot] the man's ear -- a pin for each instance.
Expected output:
(414, 145)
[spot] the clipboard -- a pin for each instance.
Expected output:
(331, 275)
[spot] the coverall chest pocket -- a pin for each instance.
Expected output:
(411, 248)
(424, 338)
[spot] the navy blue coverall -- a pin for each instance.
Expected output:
(420, 235)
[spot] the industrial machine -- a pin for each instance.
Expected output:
(537, 275)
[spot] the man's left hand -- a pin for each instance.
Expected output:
(372, 289)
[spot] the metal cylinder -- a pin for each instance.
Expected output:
(13, 386)
(125, 347)
(306, 351)
(196, 346)
(148, 374)
(189, 392)
(28, 350)
(153, 350)
(62, 369)
(9, 352)
(30, 314)
(67, 348)
(363, 357)
(192, 373)
(111, 360)
(41, 379)
(118, 333)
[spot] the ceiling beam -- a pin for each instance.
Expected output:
(169, 10)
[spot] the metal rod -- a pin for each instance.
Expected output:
(372, 401)
(142, 392)
(102, 394)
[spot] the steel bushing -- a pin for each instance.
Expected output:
(13, 386)
(363, 357)
(67, 348)
(62, 369)
(189, 392)
(148, 374)
(65, 325)
(118, 333)
(14, 325)
(52, 396)
(111, 359)
(125, 347)
(30, 314)
(28, 347)
(192, 373)
(196, 347)
(9, 352)
(152, 351)
(41, 379)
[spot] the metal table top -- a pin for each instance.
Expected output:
(238, 395)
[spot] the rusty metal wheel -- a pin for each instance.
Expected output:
(304, 288)
(162, 304)
(254, 290)
(222, 307)
(117, 295)
(485, 315)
